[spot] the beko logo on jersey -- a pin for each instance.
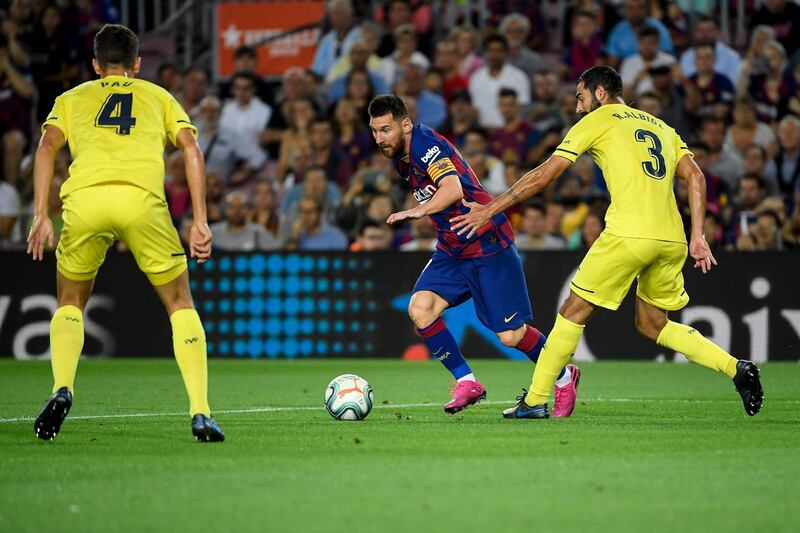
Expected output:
(423, 195)
(431, 154)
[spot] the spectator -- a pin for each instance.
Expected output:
(721, 161)
(635, 69)
(10, 211)
(466, 39)
(310, 232)
(516, 29)
(226, 152)
(176, 188)
(392, 68)
(18, 33)
(763, 235)
(396, 14)
(462, 117)
(325, 154)
(787, 162)
(534, 234)
(337, 42)
(360, 90)
(359, 56)
(16, 91)
(545, 97)
(350, 135)
(649, 102)
(485, 83)
(411, 106)
(195, 85)
(513, 140)
(293, 88)
(571, 196)
(622, 40)
(246, 113)
(363, 52)
(746, 130)
(314, 183)
(593, 226)
(215, 196)
(784, 19)
(445, 61)
(169, 77)
(373, 236)
(300, 116)
(489, 170)
(755, 161)
(236, 234)
(751, 194)
(712, 230)
(790, 103)
(673, 100)
(424, 236)
(54, 61)
(755, 60)
(430, 106)
(265, 208)
(726, 60)
(770, 88)
(586, 47)
(554, 213)
(245, 59)
(708, 93)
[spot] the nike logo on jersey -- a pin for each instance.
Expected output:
(431, 155)
(507, 320)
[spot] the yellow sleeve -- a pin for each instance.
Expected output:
(579, 138)
(58, 117)
(438, 170)
(681, 149)
(176, 119)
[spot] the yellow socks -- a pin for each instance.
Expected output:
(696, 348)
(189, 343)
(66, 343)
(556, 353)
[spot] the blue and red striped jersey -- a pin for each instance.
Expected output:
(432, 158)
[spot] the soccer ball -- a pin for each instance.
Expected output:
(348, 397)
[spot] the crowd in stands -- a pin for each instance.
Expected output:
(291, 164)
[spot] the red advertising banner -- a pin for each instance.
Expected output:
(250, 23)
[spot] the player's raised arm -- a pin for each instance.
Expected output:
(200, 235)
(448, 193)
(689, 172)
(530, 184)
(42, 228)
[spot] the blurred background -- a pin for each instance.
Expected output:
(305, 265)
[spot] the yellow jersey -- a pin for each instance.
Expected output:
(638, 154)
(116, 128)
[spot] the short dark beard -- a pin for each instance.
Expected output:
(397, 150)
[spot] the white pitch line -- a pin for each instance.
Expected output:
(380, 406)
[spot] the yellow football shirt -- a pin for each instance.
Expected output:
(638, 154)
(116, 128)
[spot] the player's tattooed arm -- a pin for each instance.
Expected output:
(530, 184)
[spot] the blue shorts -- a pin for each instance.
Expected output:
(496, 283)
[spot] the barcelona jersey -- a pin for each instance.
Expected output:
(432, 158)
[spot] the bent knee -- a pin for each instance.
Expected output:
(422, 311)
(510, 338)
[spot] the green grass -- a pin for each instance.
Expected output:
(651, 447)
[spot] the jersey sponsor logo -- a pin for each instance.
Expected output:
(423, 195)
(431, 154)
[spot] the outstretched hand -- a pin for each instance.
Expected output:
(41, 233)
(471, 222)
(701, 253)
(396, 218)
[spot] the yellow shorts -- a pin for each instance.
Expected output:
(95, 217)
(607, 271)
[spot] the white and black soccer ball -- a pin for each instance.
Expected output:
(348, 397)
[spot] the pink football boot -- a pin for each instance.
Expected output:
(566, 395)
(465, 393)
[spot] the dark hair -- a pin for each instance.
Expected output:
(245, 51)
(115, 44)
(648, 31)
(244, 75)
(755, 177)
(388, 104)
(368, 223)
(191, 69)
(712, 120)
(761, 150)
(506, 91)
(495, 38)
(699, 145)
(166, 66)
(311, 198)
(770, 213)
(536, 206)
(366, 74)
(706, 18)
(477, 130)
(602, 76)
(584, 13)
(315, 168)
(709, 46)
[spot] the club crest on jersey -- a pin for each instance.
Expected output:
(431, 154)
(423, 195)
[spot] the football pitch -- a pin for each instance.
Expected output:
(656, 447)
